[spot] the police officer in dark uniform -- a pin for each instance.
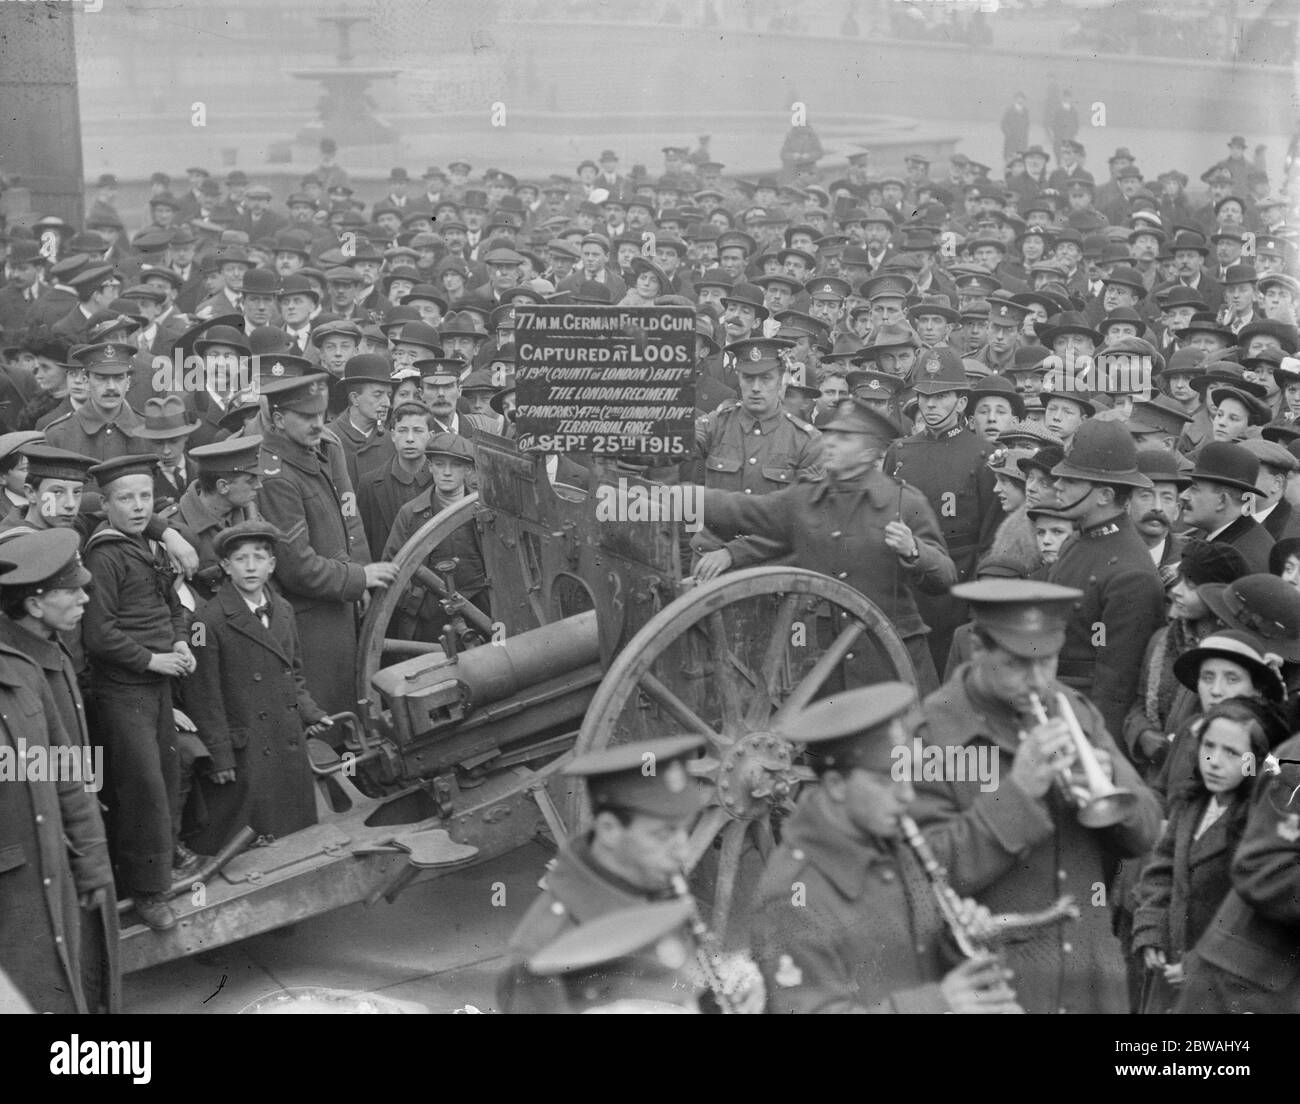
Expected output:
(1123, 599)
(862, 933)
(753, 446)
(946, 461)
(876, 533)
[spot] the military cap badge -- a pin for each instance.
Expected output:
(874, 384)
(277, 369)
(109, 353)
(933, 367)
(755, 353)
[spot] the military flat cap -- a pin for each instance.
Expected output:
(647, 777)
(852, 730)
(105, 358)
(1026, 618)
(440, 369)
(593, 946)
(756, 355)
(234, 455)
(858, 415)
(48, 559)
(307, 394)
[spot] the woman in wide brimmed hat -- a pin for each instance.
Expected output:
(650, 283)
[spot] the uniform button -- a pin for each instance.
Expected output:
(1067, 947)
(40, 819)
(1061, 875)
(797, 855)
(837, 533)
(842, 575)
(58, 939)
(557, 908)
(887, 875)
(753, 459)
(45, 881)
(757, 431)
(257, 676)
(748, 491)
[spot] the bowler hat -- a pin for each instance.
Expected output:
(1000, 387)
(1227, 465)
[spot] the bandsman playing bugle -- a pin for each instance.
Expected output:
(847, 920)
(1021, 842)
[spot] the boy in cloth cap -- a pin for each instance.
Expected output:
(1013, 847)
(136, 635)
(876, 533)
(323, 565)
(865, 935)
(644, 803)
(249, 690)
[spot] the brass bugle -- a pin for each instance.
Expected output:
(1102, 803)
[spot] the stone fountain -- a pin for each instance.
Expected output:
(346, 109)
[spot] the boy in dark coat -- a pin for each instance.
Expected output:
(249, 691)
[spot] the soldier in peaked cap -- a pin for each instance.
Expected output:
(323, 566)
(51, 829)
(633, 960)
(644, 801)
(752, 445)
(865, 935)
(223, 493)
(945, 460)
(1013, 845)
(876, 533)
(103, 427)
(1123, 600)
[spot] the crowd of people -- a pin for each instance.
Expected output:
(1046, 422)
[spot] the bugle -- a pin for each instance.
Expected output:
(1100, 802)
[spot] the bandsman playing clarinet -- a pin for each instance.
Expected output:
(846, 918)
(1065, 805)
(644, 802)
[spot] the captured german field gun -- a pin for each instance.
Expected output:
(594, 638)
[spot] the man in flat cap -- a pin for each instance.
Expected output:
(752, 445)
(323, 565)
(844, 919)
(644, 802)
(876, 533)
(1015, 846)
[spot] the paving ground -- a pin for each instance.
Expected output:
(440, 944)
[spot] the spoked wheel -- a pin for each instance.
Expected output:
(411, 568)
(739, 661)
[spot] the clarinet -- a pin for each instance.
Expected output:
(978, 939)
(706, 944)
(950, 905)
